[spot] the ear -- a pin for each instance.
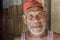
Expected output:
(46, 14)
(24, 19)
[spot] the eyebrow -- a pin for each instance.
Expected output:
(40, 12)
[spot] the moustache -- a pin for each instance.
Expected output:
(36, 24)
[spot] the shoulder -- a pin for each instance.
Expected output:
(17, 37)
(56, 36)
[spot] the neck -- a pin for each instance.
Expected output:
(38, 36)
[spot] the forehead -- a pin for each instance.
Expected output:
(34, 13)
(34, 9)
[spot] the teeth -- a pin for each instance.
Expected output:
(38, 25)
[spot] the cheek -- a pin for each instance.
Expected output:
(28, 21)
(43, 20)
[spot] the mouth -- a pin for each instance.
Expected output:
(37, 27)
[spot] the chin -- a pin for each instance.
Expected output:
(37, 31)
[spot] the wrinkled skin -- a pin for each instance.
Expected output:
(36, 18)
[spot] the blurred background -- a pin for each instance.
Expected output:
(12, 23)
(55, 16)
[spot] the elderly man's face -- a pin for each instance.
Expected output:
(36, 20)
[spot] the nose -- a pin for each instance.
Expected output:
(36, 20)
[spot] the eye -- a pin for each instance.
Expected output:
(40, 15)
(30, 17)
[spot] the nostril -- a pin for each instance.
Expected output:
(36, 20)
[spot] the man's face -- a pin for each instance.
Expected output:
(36, 20)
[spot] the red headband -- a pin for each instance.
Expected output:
(31, 3)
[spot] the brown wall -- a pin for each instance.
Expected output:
(12, 21)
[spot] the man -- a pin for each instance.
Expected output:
(35, 17)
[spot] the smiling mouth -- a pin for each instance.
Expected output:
(37, 26)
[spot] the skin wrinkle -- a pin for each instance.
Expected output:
(34, 10)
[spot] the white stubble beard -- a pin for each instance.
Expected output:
(37, 33)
